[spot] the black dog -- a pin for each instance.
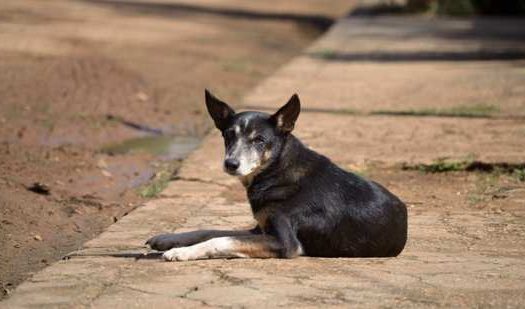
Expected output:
(303, 203)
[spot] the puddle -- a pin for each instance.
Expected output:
(163, 146)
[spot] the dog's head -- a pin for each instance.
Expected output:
(252, 139)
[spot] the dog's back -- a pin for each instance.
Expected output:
(334, 213)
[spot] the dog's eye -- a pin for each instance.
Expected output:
(258, 139)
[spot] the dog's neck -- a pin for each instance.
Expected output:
(285, 155)
(281, 179)
(247, 180)
(279, 167)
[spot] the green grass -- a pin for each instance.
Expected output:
(444, 165)
(157, 145)
(519, 174)
(485, 186)
(476, 110)
(152, 189)
(160, 180)
(342, 111)
(465, 111)
(441, 166)
(326, 54)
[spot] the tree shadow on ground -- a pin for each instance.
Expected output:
(421, 56)
(439, 39)
(319, 22)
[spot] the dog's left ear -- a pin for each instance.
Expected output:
(284, 119)
(220, 112)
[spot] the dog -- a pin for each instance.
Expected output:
(303, 203)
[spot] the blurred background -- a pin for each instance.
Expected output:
(100, 100)
(468, 7)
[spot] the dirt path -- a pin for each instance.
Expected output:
(79, 75)
(466, 224)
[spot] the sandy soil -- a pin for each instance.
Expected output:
(73, 74)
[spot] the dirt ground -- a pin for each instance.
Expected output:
(76, 76)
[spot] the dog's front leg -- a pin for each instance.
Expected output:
(254, 246)
(281, 228)
(280, 242)
(164, 242)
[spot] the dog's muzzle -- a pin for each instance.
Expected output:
(231, 166)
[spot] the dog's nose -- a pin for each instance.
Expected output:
(231, 165)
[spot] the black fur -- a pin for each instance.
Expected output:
(303, 199)
(333, 213)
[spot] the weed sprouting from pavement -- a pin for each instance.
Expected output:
(159, 181)
(466, 111)
(519, 174)
(444, 165)
(463, 111)
(156, 186)
(344, 111)
(476, 110)
(326, 54)
(486, 189)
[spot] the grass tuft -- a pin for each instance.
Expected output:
(444, 165)
(159, 181)
(326, 54)
(519, 174)
(465, 111)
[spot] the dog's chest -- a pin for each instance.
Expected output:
(261, 217)
(267, 199)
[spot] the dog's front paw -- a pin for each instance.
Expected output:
(164, 242)
(179, 254)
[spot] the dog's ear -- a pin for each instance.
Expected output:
(219, 111)
(284, 119)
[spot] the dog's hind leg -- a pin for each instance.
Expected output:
(254, 246)
(164, 242)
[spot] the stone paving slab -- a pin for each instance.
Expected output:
(353, 140)
(407, 64)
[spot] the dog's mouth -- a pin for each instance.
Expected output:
(233, 173)
(240, 173)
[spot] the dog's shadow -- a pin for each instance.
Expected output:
(138, 256)
(126, 255)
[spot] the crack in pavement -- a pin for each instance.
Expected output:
(196, 179)
(390, 113)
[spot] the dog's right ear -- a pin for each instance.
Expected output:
(220, 112)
